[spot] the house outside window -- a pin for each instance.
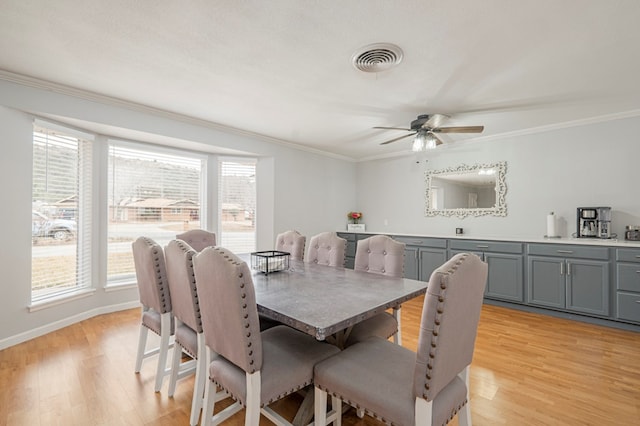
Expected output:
(152, 192)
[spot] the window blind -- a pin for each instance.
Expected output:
(61, 213)
(151, 193)
(237, 205)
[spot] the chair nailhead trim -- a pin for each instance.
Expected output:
(438, 321)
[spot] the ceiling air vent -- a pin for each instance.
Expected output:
(377, 57)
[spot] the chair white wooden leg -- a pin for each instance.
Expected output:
(336, 405)
(200, 382)
(464, 415)
(142, 344)
(252, 414)
(397, 314)
(165, 335)
(423, 412)
(321, 417)
(320, 407)
(175, 366)
(209, 393)
(211, 397)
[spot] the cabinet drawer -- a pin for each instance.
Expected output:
(628, 277)
(485, 246)
(422, 242)
(628, 255)
(629, 306)
(600, 253)
(347, 236)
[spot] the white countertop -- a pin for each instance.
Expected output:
(562, 240)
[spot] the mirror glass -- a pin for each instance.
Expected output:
(467, 190)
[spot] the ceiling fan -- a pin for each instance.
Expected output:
(425, 128)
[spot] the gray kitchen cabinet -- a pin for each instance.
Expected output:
(352, 242)
(628, 285)
(505, 280)
(573, 278)
(350, 252)
(422, 256)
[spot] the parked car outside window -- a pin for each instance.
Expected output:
(58, 229)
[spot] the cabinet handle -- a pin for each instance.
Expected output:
(638, 256)
(568, 268)
(637, 301)
(482, 246)
(417, 242)
(565, 251)
(561, 268)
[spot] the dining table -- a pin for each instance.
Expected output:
(326, 302)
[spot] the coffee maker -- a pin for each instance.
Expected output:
(594, 222)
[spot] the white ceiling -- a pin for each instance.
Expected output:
(283, 68)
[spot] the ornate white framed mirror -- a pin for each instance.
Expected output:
(467, 190)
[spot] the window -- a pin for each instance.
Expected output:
(151, 192)
(237, 205)
(61, 212)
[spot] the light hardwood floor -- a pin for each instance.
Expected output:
(528, 369)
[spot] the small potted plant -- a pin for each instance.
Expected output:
(354, 218)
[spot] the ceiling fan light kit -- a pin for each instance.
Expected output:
(424, 141)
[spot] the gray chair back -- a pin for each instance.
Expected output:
(151, 274)
(228, 307)
(327, 249)
(380, 254)
(198, 239)
(182, 283)
(449, 323)
(291, 242)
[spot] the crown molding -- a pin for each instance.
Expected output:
(522, 132)
(65, 90)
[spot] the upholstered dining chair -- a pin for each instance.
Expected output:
(401, 387)
(149, 262)
(189, 337)
(379, 254)
(198, 239)
(291, 242)
(255, 368)
(327, 249)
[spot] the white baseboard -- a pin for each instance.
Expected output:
(41, 331)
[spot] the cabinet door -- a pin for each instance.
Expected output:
(546, 281)
(430, 259)
(411, 262)
(505, 279)
(588, 286)
(350, 250)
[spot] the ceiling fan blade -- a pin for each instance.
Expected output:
(459, 129)
(397, 139)
(394, 128)
(435, 120)
(438, 140)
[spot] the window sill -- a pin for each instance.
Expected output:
(123, 285)
(60, 299)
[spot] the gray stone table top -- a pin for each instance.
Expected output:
(322, 300)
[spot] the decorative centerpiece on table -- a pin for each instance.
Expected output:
(354, 219)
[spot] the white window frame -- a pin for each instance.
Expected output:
(130, 280)
(84, 285)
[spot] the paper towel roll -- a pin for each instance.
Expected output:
(551, 225)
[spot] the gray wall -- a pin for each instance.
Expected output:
(558, 170)
(296, 190)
